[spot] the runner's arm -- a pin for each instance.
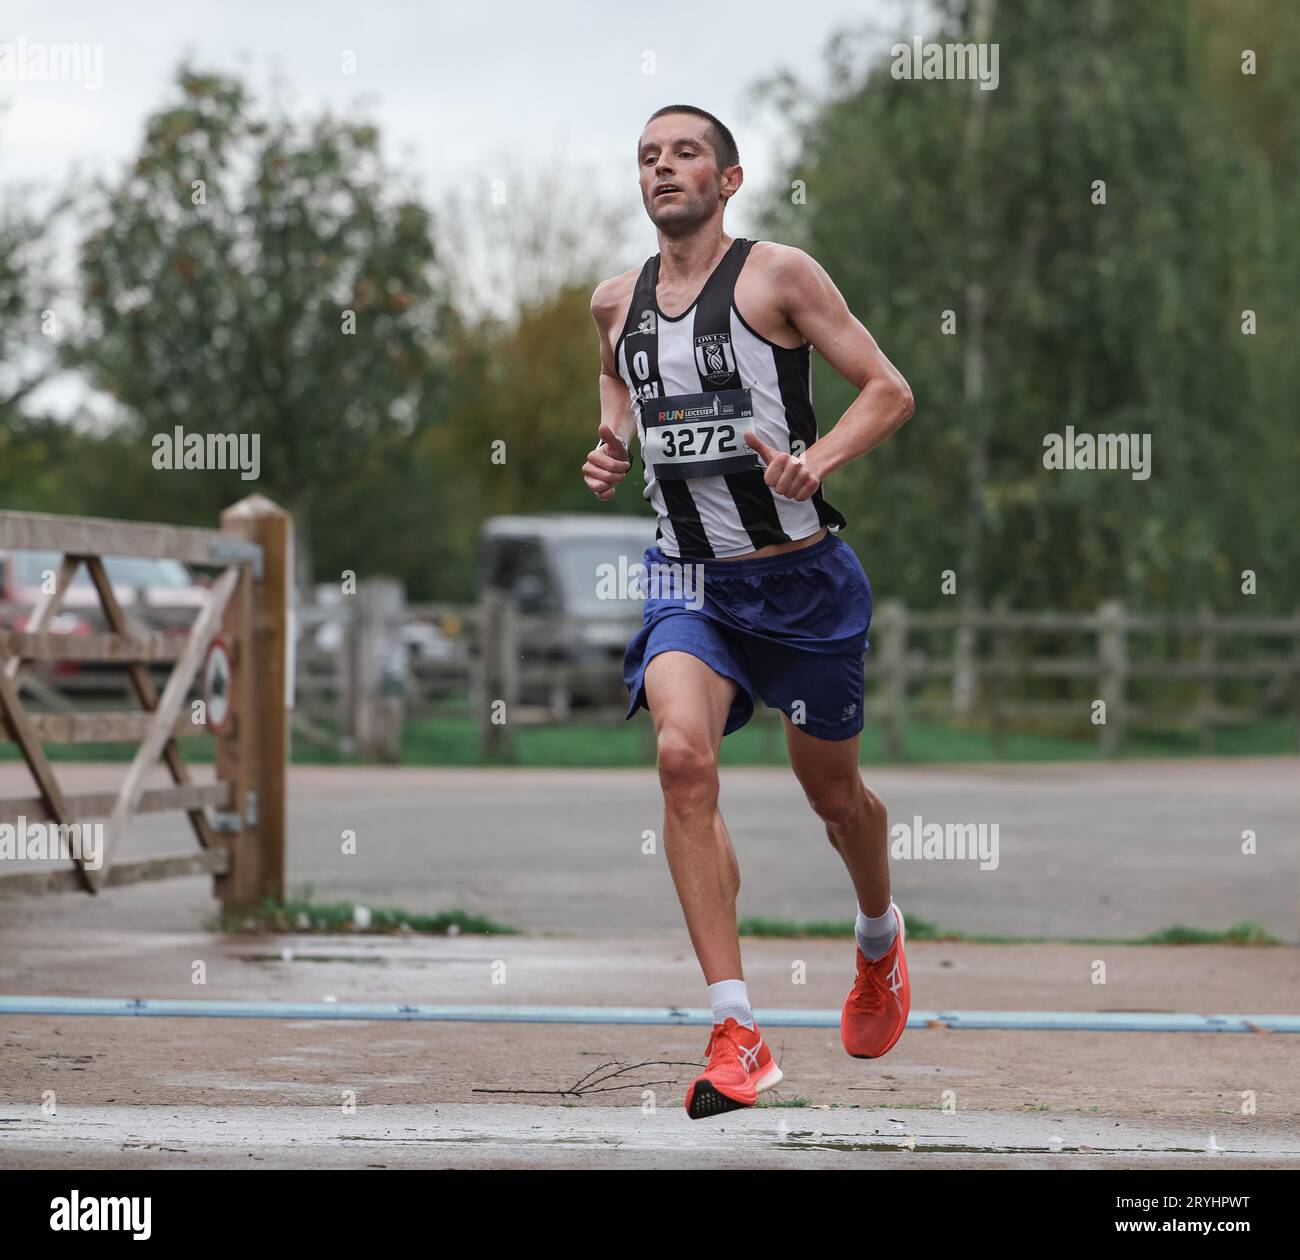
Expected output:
(610, 460)
(817, 309)
(615, 404)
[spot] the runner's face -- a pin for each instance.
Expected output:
(675, 151)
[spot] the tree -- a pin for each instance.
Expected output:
(26, 356)
(255, 275)
(933, 196)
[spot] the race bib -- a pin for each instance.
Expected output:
(698, 435)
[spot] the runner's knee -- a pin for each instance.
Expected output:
(688, 768)
(846, 803)
(877, 815)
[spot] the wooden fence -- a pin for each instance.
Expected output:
(359, 680)
(1112, 656)
(241, 842)
(1098, 671)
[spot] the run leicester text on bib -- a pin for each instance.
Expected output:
(699, 435)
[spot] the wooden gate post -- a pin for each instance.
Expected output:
(1207, 697)
(1003, 657)
(1112, 669)
(891, 626)
(254, 748)
(497, 678)
(379, 610)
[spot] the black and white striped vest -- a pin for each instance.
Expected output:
(697, 381)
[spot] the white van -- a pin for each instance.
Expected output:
(562, 571)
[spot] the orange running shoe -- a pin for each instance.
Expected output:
(740, 1068)
(875, 1012)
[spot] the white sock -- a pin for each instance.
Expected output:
(730, 998)
(875, 936)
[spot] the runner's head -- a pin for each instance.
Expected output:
(687, 150)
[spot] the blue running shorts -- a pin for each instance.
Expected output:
(790, 629)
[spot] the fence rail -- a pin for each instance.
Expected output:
(1106, 681)
(362, 670)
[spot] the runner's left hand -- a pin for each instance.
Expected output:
(788, 475)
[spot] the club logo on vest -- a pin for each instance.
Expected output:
(714, 358)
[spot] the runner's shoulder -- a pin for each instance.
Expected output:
(612, 297)
(784, 264)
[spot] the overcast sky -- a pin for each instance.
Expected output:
(455, 88)
(452, 85)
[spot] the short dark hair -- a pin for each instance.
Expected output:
(724, 143)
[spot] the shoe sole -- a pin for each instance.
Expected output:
(707, 1100)
(902, 945)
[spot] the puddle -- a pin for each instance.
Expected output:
(380, 959)
(936, 1149)
(320, 958)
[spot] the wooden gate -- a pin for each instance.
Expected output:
(238, 820)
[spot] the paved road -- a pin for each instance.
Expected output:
(506, 1135)
(1112, 851)
(208, 1092)
(1101, 851)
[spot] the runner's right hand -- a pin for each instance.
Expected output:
(606, 465)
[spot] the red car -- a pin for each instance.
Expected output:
(162, 593)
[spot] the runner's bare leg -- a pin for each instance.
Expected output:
(855, 817)
(689, 704)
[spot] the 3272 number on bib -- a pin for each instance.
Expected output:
(698, 435)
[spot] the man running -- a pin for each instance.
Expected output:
(705, 351)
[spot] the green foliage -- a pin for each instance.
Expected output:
(25, 294)
(923, 197)
(1123, 317)
(216, 285)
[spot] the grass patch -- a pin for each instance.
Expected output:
(783, 928)
(196, 749)
(918, 929)
(1245, 933)
(301, 915)
(454, 741)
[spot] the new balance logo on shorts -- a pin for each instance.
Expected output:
(847, 712)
